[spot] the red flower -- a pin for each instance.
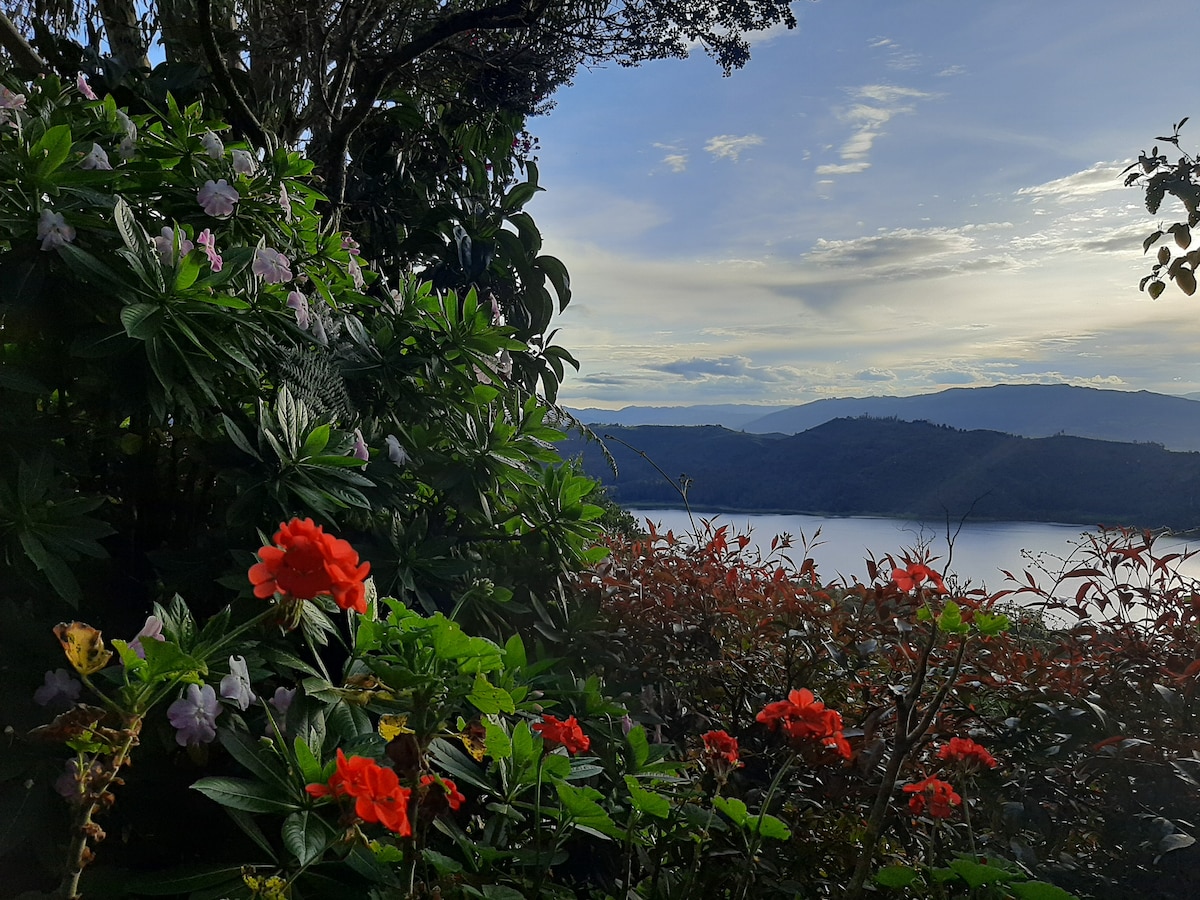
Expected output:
(447, 788)
(566, 733)
(804, 718)
(376, 791)
(305, 562)
(938, 794)
(910, 578)
(967, 753)
(720, 753)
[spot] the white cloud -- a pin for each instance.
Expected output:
(676, 162)
(730, 146)
(877, 104)
(1096, 179)
(841, 169)
(952, 71)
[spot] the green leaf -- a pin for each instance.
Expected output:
(254, 755)
(306, 835)
(317, 440)
(950, 619)
(989, 625)
(638, 745)
(310, 767)
(142, 320)
(1039, 890)
(733, 808)
(647, 802)
(498, 744)
(976, 874)
(243, 794)
(489, 699)
(770, 827)
(580, 804)
(896, 876)
(51, 150)
(165, 659)
(156, 884)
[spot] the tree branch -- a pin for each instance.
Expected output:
(239, 112)
(18, 48)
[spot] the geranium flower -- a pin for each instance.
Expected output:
(236, 685)
(565, 733)
(194, 715)
(217, 198)
(306, 563)
(298, 302)
(96, 160)
(446, 790)
(206, 240)
(968, 754)
(243, 162)
(53, 230)
(212, 145)
(804, 718)
(912, 577)
(84, 88)
(720, 754)
(165, 245)
(376, 791)
(271, 266)
(152, 630)
(59, 690)
(938, 795)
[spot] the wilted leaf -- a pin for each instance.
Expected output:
(83, 646)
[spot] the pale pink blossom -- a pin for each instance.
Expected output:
(152, 630)
(349, 243)
(243, 162)
(360, 446)
(9, 100)
(285, 201)
(206, 240)
(53, 230)
(165, 244)
(271, 266)
(97, 159)
(356, 275)
(212, 145)
(299, 303)
(217, 198)
(84, 88)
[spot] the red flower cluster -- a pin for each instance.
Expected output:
(912, 577)
(446, 788)
(967, 753)
(720, 752)
(305, 562)
(802, 717)
(566, 733)
(378, 796)
(938, 794)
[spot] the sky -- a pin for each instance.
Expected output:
(897, 197)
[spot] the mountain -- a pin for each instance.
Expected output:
(1029, 410)
(904, 469)
(730, 415)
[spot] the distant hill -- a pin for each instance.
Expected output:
(1029, 410)
(905, 469)
(730, 415)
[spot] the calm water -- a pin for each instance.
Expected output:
(981, 549)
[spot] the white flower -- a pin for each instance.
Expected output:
(212, 145)
(243, 162)
(236, 685)
(97, 159)
(356, 276)
(271, 266)
(286, 202)
(165, 244)
(396, 453)
(217, 198)
(53, 230)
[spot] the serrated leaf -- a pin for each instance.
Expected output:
(647, 802)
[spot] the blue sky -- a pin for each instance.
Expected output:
(897, 197)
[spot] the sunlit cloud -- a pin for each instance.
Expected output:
(1097, 179)
(875, 105)
(730, 146)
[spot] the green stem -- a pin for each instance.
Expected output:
(756, 839)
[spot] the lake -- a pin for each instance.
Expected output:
(981, 549)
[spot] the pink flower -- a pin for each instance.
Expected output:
(299, 303)
(84, 88)
(286, 202)
(152, 630)
(97, 159)
(243, 162)
(53, 230)
(165, 244)
(360, 446)
(217, 198)
(271, 266)
(206, 240)
(355, 271)
(9, 100)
